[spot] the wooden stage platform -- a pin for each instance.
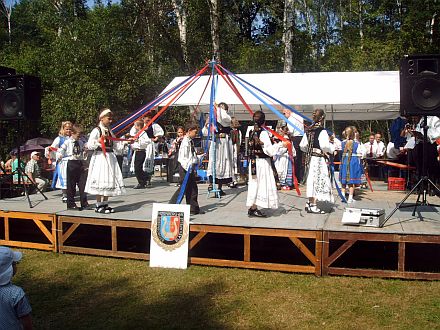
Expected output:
(289, 240)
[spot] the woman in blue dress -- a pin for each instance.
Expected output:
(351, 170)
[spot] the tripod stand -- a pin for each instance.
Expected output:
(21, 174)
(423, 184)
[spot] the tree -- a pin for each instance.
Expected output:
(215, 34)
(6, 9)
(288, 24)
(180, 11)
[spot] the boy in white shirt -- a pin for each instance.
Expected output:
(73, 150)
(188, 158)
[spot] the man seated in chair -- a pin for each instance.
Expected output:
(33, 171)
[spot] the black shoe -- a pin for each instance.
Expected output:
(74, 207)
(139, 186)
(256, 213)
(222, 193)
(232, 185)
(197, 212)
(210, 187)
(64, 199)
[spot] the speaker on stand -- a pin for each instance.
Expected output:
(420, 96)
(20, 97)
(20, 100)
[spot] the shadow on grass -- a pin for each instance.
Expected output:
(78, 301)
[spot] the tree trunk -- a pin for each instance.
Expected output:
(215, 35)
(7, 11)
(288, 23)
(361, 24)
(180, 11)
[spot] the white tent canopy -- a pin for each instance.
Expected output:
(344, 95)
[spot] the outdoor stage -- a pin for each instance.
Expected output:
(289, 240)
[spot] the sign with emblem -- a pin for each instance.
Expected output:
(169, 235)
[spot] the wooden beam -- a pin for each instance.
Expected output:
(44, 230)
(114, 238)
(247, 248)
(27, 245)
(300, 245)
(6, 228)
(252, 265)
(69, 232)
(401, 260)
(344, 247)
(384, 273)
(196, 239)
(106, 253)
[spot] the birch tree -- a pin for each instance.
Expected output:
(6, 9)
(215, 34)
(180, 11)
(288, 24)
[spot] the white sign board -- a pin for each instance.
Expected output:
(169, 236)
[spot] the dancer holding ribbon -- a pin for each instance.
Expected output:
(262, 189)
(223, 151)
(104, 177)
(316, 143)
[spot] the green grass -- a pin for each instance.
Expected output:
(83, 292)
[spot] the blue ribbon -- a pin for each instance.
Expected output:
(183, 186)
(332, 171)
(275, 111)
(143, 110)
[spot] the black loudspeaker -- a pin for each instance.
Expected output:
(20, 97)
(4, 71)
(420, 85)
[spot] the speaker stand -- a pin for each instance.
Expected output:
(22, 174)
(422, 185)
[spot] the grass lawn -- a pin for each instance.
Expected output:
(82, 292)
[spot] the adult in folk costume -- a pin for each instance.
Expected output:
(154, 133)
(224, 167)
(316, 144)
(59, 179)
(104, 177)
(262, 189)
(139, 145)
(236, 138)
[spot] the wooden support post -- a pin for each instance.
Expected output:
(401, 261)
(114, 238)
(6, 228)
(247, 248)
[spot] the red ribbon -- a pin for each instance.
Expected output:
(279, 136)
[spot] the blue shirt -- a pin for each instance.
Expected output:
(13, 306)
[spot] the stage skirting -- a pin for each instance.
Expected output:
(320, 252)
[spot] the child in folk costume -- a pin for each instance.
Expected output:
(137, 161)
(154, 132)
(351, 169)
(224, 167)
(173, 154)
(282, 161)
(73, 150)
(262, 189)
(188, 158)
(104, 178)
(59, 179)
(316, 143)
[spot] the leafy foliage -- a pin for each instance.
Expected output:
(120, 55)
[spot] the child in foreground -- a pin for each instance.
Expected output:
(15, 310)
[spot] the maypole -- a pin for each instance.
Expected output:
(212, 125)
